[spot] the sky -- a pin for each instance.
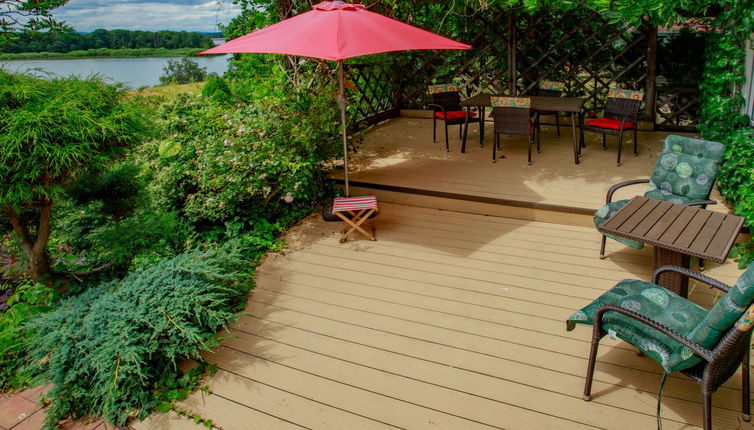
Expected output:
(190, 15)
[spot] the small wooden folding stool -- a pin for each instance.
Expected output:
(360, 209)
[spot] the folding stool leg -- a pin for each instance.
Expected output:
(434, 128)
(602, 247)
(604, 142)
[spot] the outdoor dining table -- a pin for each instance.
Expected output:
(677, 232)
(571, 105)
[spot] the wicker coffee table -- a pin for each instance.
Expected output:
(677, 232)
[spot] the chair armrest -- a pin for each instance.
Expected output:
(622, 184)
(690, 274)
(435, 107)
(701, 203)
(701, 351)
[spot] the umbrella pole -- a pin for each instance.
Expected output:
(342, 104)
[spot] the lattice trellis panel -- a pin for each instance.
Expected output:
(677, 108)
(373, 91)
(578, 47)
(581, 49)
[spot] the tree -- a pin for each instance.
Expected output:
(51, 133)
(28, 16)
(183, 71)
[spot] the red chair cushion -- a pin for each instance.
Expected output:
(612, 124)
(454, 114)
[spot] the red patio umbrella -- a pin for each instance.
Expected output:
(336, 31)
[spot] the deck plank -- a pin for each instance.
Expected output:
(448, 320)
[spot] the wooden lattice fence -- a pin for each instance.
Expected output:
(512, 51)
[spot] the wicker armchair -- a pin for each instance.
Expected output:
(549, 89)
(446, 106)
(707, 346)
(513, 115)
(685, 174)
(621, 114)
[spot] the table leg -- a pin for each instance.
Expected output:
(481, 126)
(576, 143)
(670, 280)
(465, 129)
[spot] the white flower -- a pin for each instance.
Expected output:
(288, 198)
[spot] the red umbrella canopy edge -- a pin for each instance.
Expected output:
(336, 31)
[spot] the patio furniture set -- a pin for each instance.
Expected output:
(656, 317)
(520, 115)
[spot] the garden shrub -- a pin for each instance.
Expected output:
(106, 349)
(28, 301)
(217, 90)
(183, 71)
(721, 118)
(256, 160)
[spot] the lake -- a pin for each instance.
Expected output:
(134, 72)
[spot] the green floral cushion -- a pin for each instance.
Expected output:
(672, 311)
(686, 170)
(625, 94)
(552, 85)
(520, 102)
(605, 213)
(443, 88)
(656, 303)
(726, 311)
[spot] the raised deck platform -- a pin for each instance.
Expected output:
(399, 162)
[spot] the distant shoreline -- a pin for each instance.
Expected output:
(103, 53)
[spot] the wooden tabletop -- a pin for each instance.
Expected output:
(689, 230)
(561, 104)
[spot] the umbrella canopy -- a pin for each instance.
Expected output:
(336, 31)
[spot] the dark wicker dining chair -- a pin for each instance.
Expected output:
(446, 106)
(513, 115)
(708, 346)
(549, 89)
(621, 113)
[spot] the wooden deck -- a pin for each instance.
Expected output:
(449, 320)
(399, 155)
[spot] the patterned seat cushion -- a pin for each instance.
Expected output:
(454, 114)
(656, 303)
(686, 170)
(726, 311)
(612, 124)
(605, 213)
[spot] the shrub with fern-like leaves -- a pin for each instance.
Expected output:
(106, 349)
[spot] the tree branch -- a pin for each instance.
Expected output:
(20, 229)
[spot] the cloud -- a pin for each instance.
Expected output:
(191, 15)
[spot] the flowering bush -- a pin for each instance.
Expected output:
(261, 159)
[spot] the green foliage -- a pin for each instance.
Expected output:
(26, 17)
(105, 349)
(217, 90)
(721, 118)
(27, 302)
(107, 39)
(175, 388)
(52, 133)
(118, 190)
(57, 130)
(183, 71)
(104, 52)
(256, 160)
